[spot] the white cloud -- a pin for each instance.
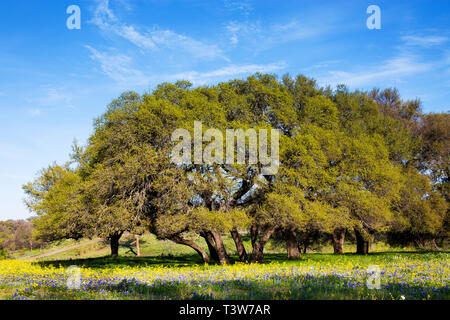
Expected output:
(118, 67)
(48, 97)
(122, 69)
(236, 30)
(424, 41)
(156, 39)
(391, 70)
(228, 72)
(294, 31)
(242, 6)
(264, 36)
(324, 64)
(286, 26)
(52, 96)
(34, 112)
(140, 40)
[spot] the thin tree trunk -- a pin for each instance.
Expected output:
(338, 241)
(220, 248)
(305, 244)
(209, 239)
(239, 245)
(362, 245)
(419, 243)
(138, 248)
(434, 245)
(258, 245)
(292, 244)
(254, 233)
(114, 243)
(194, 246)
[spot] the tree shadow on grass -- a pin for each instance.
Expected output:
(121, 261)
(372, 257)
(195, 260)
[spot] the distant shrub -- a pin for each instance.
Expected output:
(3, 254)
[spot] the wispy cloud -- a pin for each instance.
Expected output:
(424, 41)
(48, 98)
(228, 71)
(156, 39)
(236, 30)
(52, 96)
(392, 70)
(322, 65)
(242, 6)
(118, 67)
(34, 112)
(262, 36)
(295, 30)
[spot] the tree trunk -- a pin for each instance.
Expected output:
(338, 241)
(194, 246)
(254, 233)
(419, 243)
(434, 245)
(138, 248)
(257, 253)
(292, 244)
(239, 245)
(258, 245)
(305, 243)
(209, 239)
(216, 247)
(362, 245)
(114, 242)
(220, 248)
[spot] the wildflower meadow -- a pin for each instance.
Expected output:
(402, 276)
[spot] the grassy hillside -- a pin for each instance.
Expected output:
(57, 245)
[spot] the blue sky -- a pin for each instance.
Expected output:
(54, 81)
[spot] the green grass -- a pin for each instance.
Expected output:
(194, 260)
(151, 247)
(405, 275)
(170, 271)
(27, 253)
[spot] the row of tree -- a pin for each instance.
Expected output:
(359, 162)
(16, 235)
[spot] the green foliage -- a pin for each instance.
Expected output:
(17, 235)
(434, 153)
(55, 197)
(346, 161)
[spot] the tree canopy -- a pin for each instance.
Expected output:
(356, 162)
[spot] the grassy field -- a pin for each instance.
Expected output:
(151, 247)
(170, 271)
